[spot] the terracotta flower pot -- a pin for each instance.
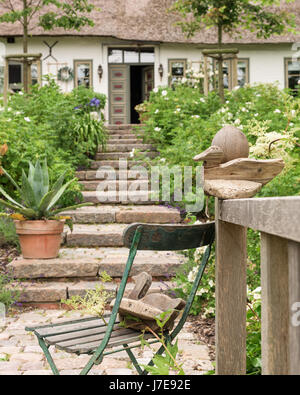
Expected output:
(40, 239)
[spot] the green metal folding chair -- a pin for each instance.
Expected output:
(91, 336)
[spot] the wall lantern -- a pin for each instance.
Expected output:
(100, 72)
(161, 71)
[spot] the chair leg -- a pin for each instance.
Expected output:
(133, 359)
(49, 358)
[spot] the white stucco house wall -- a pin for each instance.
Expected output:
(135, 46)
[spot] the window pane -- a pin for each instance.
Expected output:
(115, 56)
(147, 57)
(177, 69)
(15, 73)
(293, 75)
(242, 73)
(131, 56)
(1, 78)
(83, 74)
(226, 75)
(293, 67)
(34, 74)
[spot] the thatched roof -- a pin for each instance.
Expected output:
(146, 21)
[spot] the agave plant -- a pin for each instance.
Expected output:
(38, 198)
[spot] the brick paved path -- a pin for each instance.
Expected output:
(20, 353)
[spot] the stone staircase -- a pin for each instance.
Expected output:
(95, 245)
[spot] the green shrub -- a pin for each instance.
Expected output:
(182, 122)
(50, 124)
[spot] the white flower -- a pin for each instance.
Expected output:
(191, 276)
(164, 93)
(94, 115)
(17, 112)
(21, 93)
(293, 113)
(163, 160)
(27, 119)
(237, 121)
(202, 100)
(132, 153)
(277, 111)
(201, 291)
(211, 283)
(155, 90)
(157, 129)
(156, 111)
(256, 114)
(195, 116)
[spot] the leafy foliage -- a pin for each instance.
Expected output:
(38, 199)
(45, 124)
(182, 122)
(94, 301)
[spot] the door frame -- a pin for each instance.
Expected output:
(128, 109)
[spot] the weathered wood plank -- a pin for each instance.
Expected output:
(275, 304)
(211, 157)
(79, 334)
(77, 343)
(261, 171)
(279, 216)
(231, 294)
(294, 303)
(231, 189)
(70, 327)
(126, 339)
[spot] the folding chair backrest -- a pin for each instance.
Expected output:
(170, 237)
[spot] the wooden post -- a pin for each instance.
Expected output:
(231, 296)
(6, 82)
(294, 307)
(234, 72)
(275, 304)
(206, 79)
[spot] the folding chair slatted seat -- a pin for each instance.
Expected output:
(91, 335)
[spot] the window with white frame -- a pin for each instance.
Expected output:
(83, 73)
(177, 70)
(292, 75)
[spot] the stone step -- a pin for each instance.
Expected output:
(126, 147)
(124, 141)
(125, 164)
(108, 235)
(123, 155)
(124, 185)
(91, 175)
(125, 214)
(126, 136)
(138, 197)
(53, 292)
(89, 263)
(121, 127)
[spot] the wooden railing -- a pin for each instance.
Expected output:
(278, 220)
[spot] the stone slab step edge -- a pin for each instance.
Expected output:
(138, 197)
(123, 155)
(114, 265)
(116, 147)
(91, 175)
(95, 165)
(38, 292)
(124, 215)
(108, 184)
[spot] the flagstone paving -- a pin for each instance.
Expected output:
(21, 355)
